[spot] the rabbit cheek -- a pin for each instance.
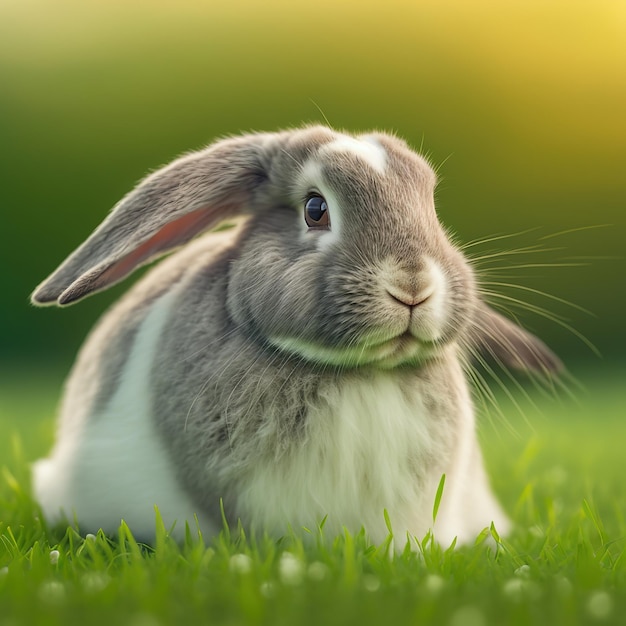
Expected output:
(462, 300)
(272, 292)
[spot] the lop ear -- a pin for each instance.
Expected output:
(164, 211)
(512, 345)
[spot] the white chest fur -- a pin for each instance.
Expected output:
(370, 447)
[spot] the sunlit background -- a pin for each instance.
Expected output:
(520, 104)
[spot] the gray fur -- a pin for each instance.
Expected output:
(226, 398)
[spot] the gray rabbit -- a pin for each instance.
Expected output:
(307, 362)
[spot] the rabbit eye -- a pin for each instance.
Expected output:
(316, 212)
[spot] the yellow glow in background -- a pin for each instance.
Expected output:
(523, 104)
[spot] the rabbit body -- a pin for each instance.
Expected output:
(292, 371)
(348, 445)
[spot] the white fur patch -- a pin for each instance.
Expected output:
(365, 148)
(354, 463)
(360, 456)
(115, 466)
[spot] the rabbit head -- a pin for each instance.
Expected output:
(342, 261)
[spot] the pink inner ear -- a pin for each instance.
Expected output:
(170, 236)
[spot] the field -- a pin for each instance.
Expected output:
(519, 105)
(557, 464)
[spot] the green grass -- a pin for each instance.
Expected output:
(561, 477)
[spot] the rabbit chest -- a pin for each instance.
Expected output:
(370, 443)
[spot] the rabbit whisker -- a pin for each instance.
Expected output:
(496, 237)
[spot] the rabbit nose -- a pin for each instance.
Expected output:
(410, 296)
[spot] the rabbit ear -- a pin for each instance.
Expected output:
(512, 345)
(166, 210)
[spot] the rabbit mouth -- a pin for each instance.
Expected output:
(402, 349)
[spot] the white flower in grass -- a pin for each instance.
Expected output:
(268, 589)
(514, 589)
(54, 556)
(290, 569)
(468, 616)
(90, 537)
(144, 619)
(371, 583)
(318, 571)
(94, 582)
(434, 583)
(523, 571)
(519, 588)
(52, 592)
(563, 586)
(599, 605)
(240, 564)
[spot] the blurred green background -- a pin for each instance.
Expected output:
(521, 104)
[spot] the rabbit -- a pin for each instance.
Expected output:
(307, 362)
